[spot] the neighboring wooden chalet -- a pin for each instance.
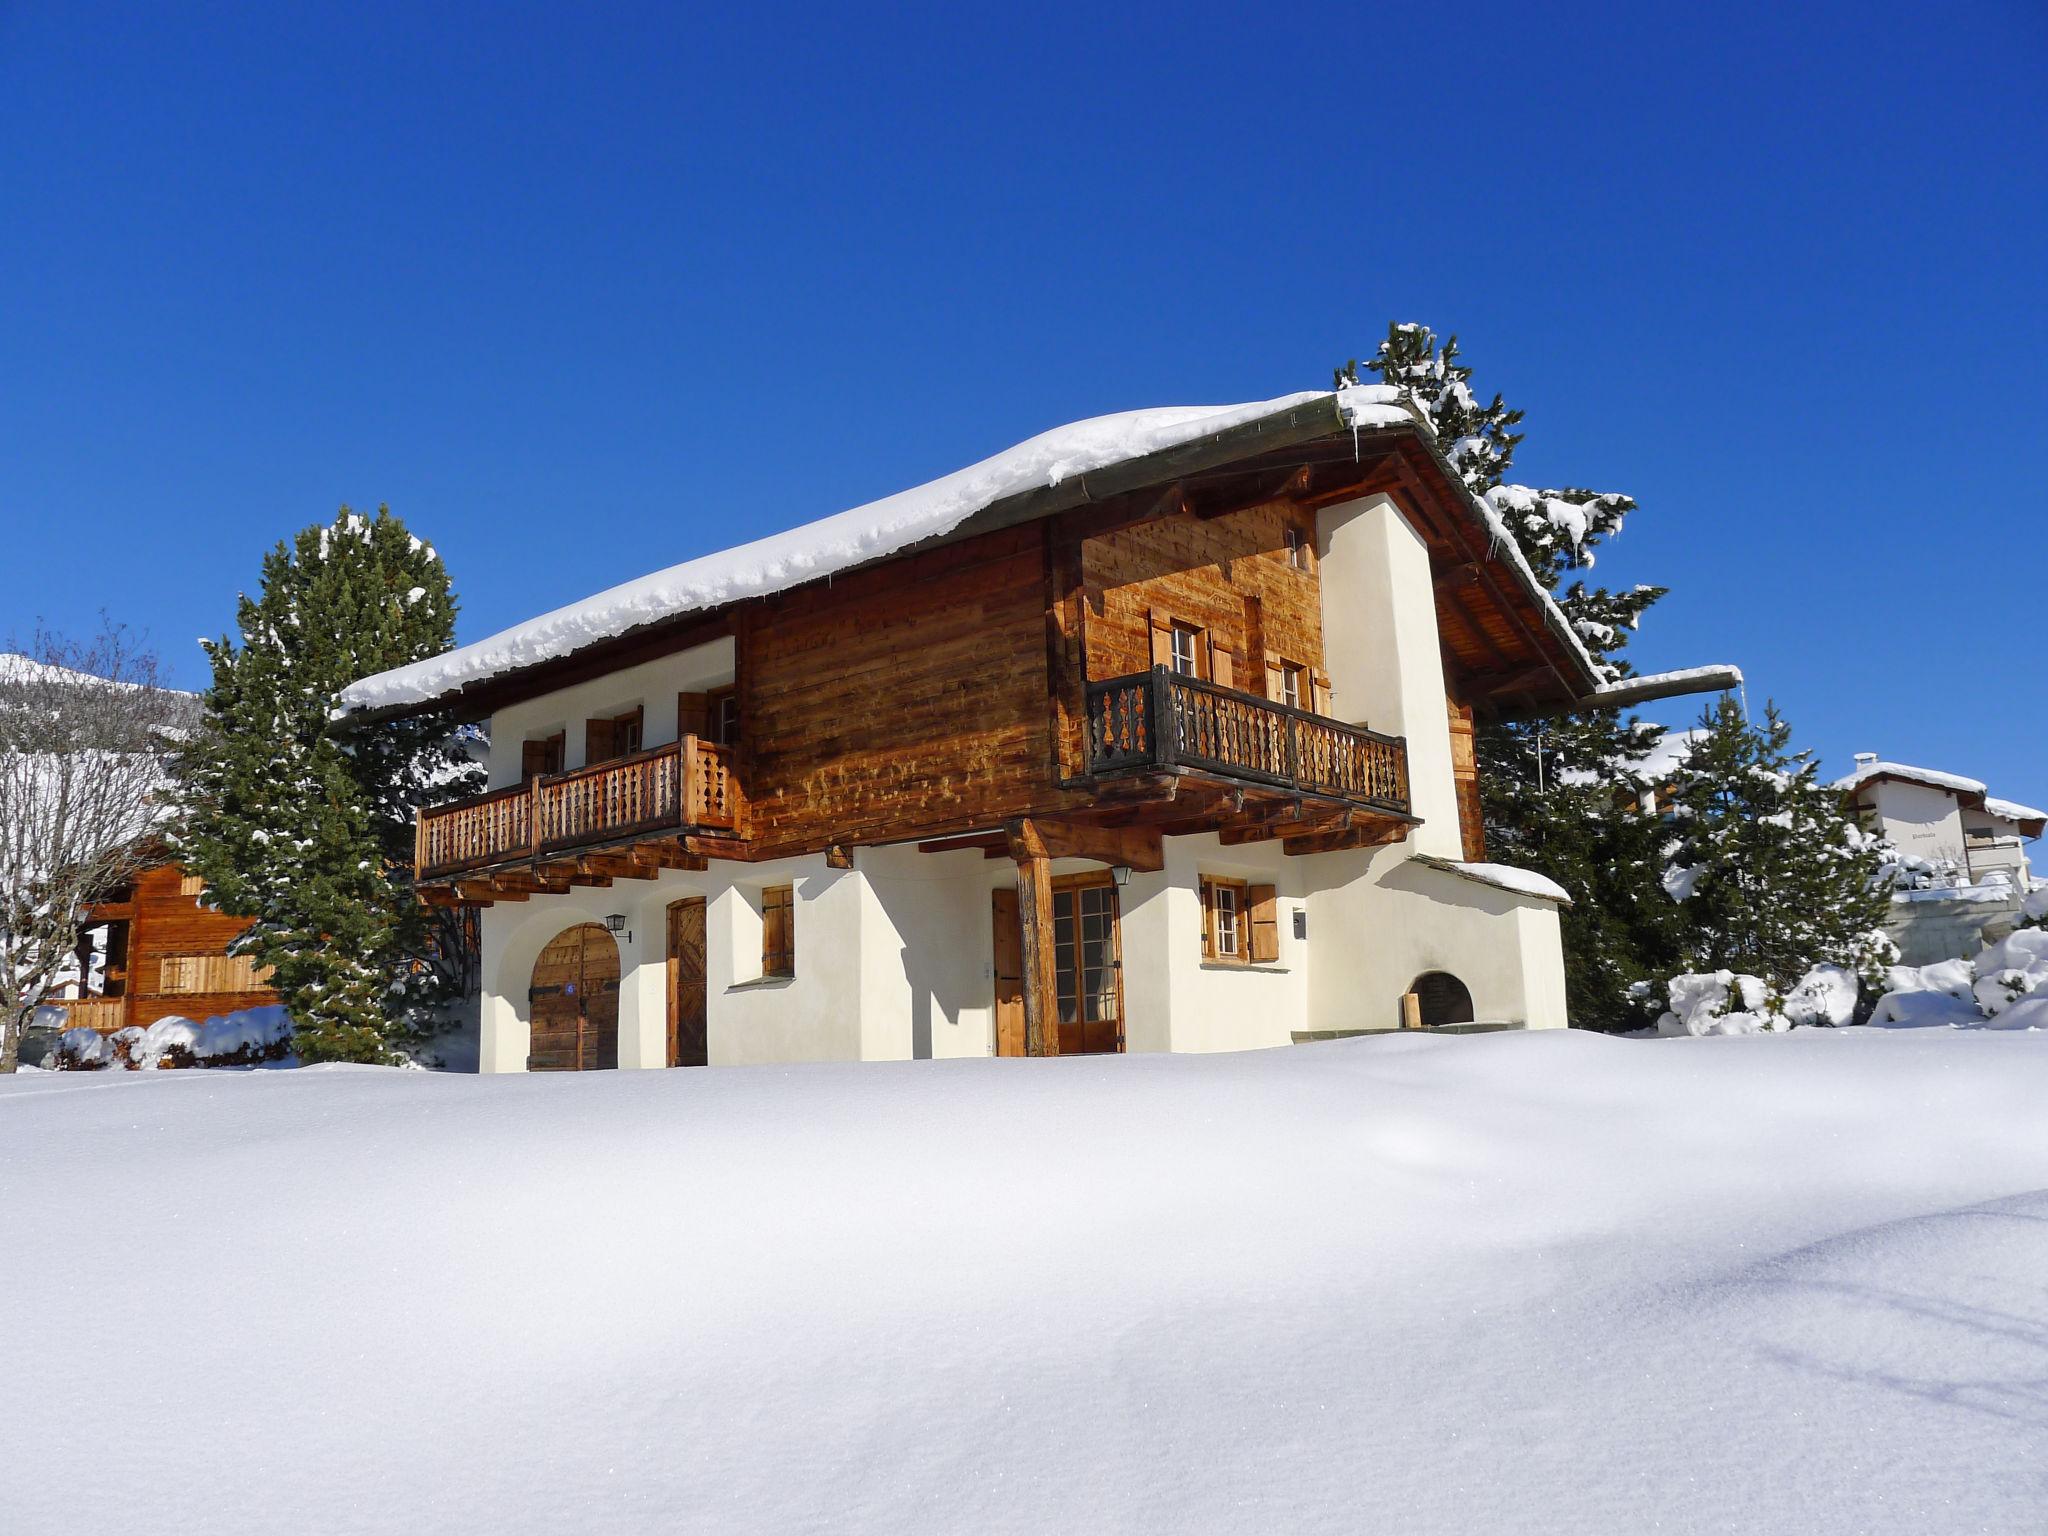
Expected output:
(1151, 733)
(153, 949)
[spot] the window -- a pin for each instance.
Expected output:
(778, 931)
(1240, 922)
(541, 755)
(1290, 685)
(1187, 650)
(1223, 920)
(618, 736)
(1297, 548)
(722, 716)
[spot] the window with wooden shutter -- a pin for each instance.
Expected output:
(723, 716)
(778, 931)
(541, 756)
(1222, 665)
(1265, 924)
(1223, 920)
(618, 736)
(1161, 629)
(1187, 650)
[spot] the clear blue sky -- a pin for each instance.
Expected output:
(585, 292)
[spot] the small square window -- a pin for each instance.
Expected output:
(1297, 548)
(1187, 650)
(1290, 685)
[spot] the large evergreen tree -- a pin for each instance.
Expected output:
(304, 825)
(1774, 875)
(1557, 794)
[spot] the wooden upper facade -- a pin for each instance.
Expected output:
(1136, 657)
(166, 953)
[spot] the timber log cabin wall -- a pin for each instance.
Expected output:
(167, 956)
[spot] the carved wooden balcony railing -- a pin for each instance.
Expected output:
(1158, 719)
(686, 786)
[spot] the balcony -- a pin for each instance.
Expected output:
(685, 787)
(1158, 720)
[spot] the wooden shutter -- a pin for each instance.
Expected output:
(597, 741)
(1318, 700)
(1222, 665)
(629, 731)
(1208, 920)
(534, 759)
(1275, 684)
(778, 931)
(1265, 921)
(693, 715)
(1009, 971)
(1162, 638)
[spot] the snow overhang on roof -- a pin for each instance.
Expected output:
(1068, 467)
(2030, 821)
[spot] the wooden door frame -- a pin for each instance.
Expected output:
(1078, 883)
(674, 976)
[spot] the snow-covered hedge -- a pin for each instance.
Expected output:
(245, 1038)
(1729, 1003)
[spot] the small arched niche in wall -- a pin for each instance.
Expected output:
(1443, 998)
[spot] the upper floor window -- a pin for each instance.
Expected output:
(1297, 547)
(618, 736)
(1187, 650)
(1290, 685)
(710, 716)
(541, 755)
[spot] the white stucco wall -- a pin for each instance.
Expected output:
(1922, 820)
(1377, 920)
(1383, 655)
(895, 958)
(652, 686)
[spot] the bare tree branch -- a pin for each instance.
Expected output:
(85, 733)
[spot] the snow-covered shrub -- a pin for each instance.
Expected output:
(2010, 969)
(245, 1038)
(80, 1050)
(1826, 995)
(1721, 1003)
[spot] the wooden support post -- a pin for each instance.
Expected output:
(1034, 912)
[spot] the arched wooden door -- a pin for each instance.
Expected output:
(575, 1002)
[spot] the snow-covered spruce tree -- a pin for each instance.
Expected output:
(304, 825)
(1773, 872)
(1557, 794)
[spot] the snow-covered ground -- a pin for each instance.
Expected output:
(1527, 1283)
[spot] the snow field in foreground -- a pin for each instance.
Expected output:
(1546, 1282)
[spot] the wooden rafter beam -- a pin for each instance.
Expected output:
(1375, 835)
(1133, 847)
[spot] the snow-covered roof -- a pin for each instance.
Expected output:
(1502, 877)
(2012, 810)
(886, 527)
(1932, 777)
(17, 668)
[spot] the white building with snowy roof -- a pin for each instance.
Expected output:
(1955, 834)
(1153, 732)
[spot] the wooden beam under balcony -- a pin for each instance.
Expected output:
(1372, 835)
(1040, 837)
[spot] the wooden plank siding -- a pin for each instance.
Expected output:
(1226, 575)
(903, 697)
(177, 959)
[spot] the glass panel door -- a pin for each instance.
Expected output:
(1088, 967)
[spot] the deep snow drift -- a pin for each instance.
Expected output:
(1505, 1283)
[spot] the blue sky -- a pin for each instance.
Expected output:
(587, 291)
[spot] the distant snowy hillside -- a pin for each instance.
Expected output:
(1512, 1283)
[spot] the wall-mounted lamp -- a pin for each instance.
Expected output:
(616, 924)
(1120, 873)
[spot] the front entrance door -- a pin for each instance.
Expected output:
(1088, 965)
(688, 1040)
(575, 1002)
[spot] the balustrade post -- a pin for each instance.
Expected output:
(1165, 725)
(533, 816)
(1293, 751)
